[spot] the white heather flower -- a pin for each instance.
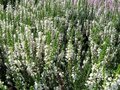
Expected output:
(114, 86)
(95, 76)
(16, 46)
(9, 9)
(47, 52)
(112, 38)
(94, 66)
(21, 36)
(39, 35)
(17, 62)
(15, 13)
(36, 86)
(74, 76)
(1, 82)
(118, 81)
(2, 85)
(23, 44)
(43, 38)
(11, 60)
(23, 55)
(109, 79)
(29, 69)
(98, 51)
(91, 75)
(69, 51)
(27, 32)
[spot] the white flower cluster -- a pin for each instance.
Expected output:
(69, 51)
(2, 86)
(112, 84)
(95, 77)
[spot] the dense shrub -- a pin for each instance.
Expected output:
(60, 45)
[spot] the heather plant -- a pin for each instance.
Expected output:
(60, 45)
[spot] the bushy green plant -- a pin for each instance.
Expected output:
(59, 45)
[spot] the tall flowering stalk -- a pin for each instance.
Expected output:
(94, 2)
(74, 2)
(108, 4)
